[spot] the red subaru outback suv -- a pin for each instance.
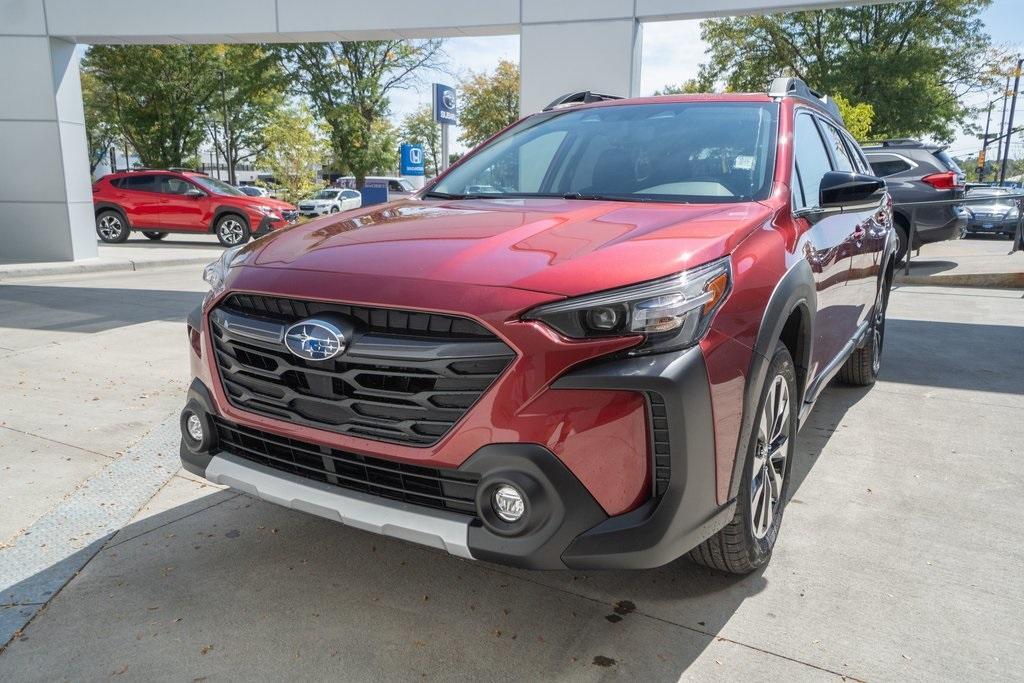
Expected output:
(160, 202)
(590, 344)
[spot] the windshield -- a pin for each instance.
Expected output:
(326, 194)
(216, 186)
(704, 152)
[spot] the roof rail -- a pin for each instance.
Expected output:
(182, 169)
(896, 142)
(582, 97)
(787, 86)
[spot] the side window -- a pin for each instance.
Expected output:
(883, 165)
(171, 185)
(839, 152)
(859, 162)
(395, 186)
(349, 194)
(811, 161)
(138, 183)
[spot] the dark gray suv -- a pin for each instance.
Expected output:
(919, 172)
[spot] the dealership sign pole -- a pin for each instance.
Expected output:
(445, 113)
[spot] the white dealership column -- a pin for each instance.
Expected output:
(558, 57)
(45, 193)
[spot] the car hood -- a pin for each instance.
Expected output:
(565, 247)
(275, 203)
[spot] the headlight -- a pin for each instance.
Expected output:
(216, 273)
(266, 210)
(671, 313)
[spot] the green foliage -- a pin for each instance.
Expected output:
(290, 148)
(100, 131)
(490, 102)
(420, 128)
(689, 87)
(857, 117)
(250, 89)
(911, 61)
(348, 86)
(154, 95)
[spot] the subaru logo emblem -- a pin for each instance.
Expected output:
(315, 339)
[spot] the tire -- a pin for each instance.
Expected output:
(746, 542)
(155, 236)
(904, 239)
(232, 230)
(111, 226)
(334, 209)
(861, 368)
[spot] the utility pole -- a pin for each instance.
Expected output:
(227, 131)
(984, 146)
(1009, 127)
(1002, 123)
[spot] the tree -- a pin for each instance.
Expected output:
(348, 85)
(688, 87)
(156, 96)
(911, 61)
(857, 117)
(291, 148)
(489, 103)
(250, 89)
(421, 128)
(100, 132)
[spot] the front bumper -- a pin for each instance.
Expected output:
(564, 527)
(979, 224)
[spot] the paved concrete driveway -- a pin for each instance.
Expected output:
(899, 558)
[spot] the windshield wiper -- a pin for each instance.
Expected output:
(445, 195)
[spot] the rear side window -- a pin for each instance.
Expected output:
(349, 194)
(948, 162)
(136, 183)
(811, 162)
(843, 160)
(886, 164)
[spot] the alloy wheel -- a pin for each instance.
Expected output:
(231, 231)
(110, 227)
(770, 453)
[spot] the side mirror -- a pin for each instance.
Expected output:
(195, 194)
(844, 190)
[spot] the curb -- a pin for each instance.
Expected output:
(979, 280)
(72, 268)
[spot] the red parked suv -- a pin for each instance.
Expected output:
(589, 344)
(160, 202)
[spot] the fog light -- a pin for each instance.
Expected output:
(508, 503)
(195, 427)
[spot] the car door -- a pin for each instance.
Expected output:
(825, 242)
(350, 199)
(869, 235)
(137, 195)
(180, 210)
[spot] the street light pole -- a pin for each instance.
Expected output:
(1009, 127)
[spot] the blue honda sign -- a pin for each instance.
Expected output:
(411, 159)
(445, 104)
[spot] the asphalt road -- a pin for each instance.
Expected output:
(899, 556)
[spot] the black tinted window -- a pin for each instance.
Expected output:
(844, 162)
(886, 166)
(138, 183)
(811, 161)
(172, 185)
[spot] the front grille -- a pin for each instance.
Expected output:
(407, 379)
(660, 443)
(432, 487)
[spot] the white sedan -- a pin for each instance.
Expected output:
(330, 200)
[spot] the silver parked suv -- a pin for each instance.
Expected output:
(919, 172)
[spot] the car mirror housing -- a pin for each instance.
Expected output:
(844, 190)
(195, 194)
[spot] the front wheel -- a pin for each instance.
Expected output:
(746, 542)
(232, 230)
(155, 236)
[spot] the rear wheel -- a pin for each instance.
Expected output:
(111, 226)
(154, 235)
(232, 230)
(861, 368)
(746, 542)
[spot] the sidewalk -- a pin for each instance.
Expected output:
(138, 253)
(973, 262)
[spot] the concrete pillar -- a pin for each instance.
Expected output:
(559, 57)
(45, 191)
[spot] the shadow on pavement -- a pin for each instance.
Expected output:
(89, 309)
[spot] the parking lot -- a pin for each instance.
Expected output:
(900, 555)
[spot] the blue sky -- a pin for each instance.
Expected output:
(672, 52)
